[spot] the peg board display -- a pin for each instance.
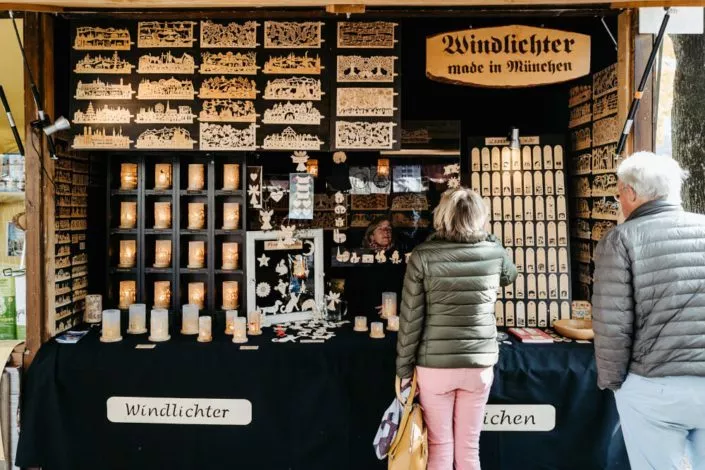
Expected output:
(71, 178)
(594, 130)
(235, 85)
(525, 192)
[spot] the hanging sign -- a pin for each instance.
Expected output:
(507, 56)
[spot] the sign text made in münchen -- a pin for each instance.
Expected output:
(507, 56)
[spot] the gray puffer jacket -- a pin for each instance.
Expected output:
(649, 296)
(447, 306)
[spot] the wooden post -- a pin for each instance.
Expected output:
(39, 191)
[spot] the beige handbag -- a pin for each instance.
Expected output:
(409, 449)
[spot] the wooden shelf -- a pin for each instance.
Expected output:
(124, 192)
(116, 270)
(186, 231)
(193, 271)
(158, 231)
(123, 231)
(238, 232)
(234, 272)
(186, 192)
(153, 270)
(159, 192)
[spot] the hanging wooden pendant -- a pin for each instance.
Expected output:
(508, 234)
(497, 230)
(531, 286)
(521, 314)
(560, 182)
(540, 234)
(507, 208)
(526, 163)
(543, 315)
(530, 261)
(517, 183)
(553, 312)
(506, 159)
(509, 314)
(549, 186)
(540, 260)
(486, 184)
(550, 208)
(528, 207)
(497, 208)
(486, 165)
(519, 259)
(519, 287)
(519, 234)
(563, 260)
(538, 183)
(506, 184)
(542, 287)
(558, 157)
(496, 159)
(552, 286)
(537, 158)
(562, 234)
(552, 260)
(496, 184)
(499, 313)
(529, 234)
(475, 183)
(528, 184)
(531, 315)
(547, 157)
(540, 208)
(518, 208)
(561, 209)
(564, 286)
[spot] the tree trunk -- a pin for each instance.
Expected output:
(688, 116)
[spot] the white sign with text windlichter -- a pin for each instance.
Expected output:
(157, 410)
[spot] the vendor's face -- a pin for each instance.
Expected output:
(382, 235)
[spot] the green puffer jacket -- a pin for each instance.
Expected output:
(447, 306)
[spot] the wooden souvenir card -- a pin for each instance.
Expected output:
(552, 287)
(518, 234)
(526, 162)
(507, 208)
(537, 158)
(506, 184)
(517, 183)
(521, 314)
(475, 183)
(509, 292)
(540, 233)
(530, 261)
(497, 208)
(531, 314)
(486, 184)
(497, 230)
(565, 310)
(488, 205)
(538, 183)
(529, 234)
(496, 184)
(563, 264)
(547, 157)
(508, 234)
(549, 186)
(528, 184)
(543, 315)
(542, 286)
(475, 159)
(552, 260)
(496, 159)
(509, 314)
(528, 207)
(518, 208)
(540, 260)
(564, 286)
(516, 160)
(560, 182)
(519, 260)
(552, 234)
(562, 234)
(499, 313)
(519, 288)
(550, 208)
(486, 161)
(366, 35)
(531, 287)
(553, 312)
(540, 208)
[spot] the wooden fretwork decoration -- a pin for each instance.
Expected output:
(227, 137)
(366, 35)
(231, 35)
(165, 89)
(227, 110)
(293, 63)
(165, 114)
(375, 69)
(165, 138)
(377, 102)
(101, 139)
(89, 38)
(293, 88)
(289, 139)
(165, 34)
(103, 64)
(293, 113)
(222, 87)
(605, 131)
(242, 63)
(100, 90)
(292, 35)
(166, 62)
(106, 114)
(364, 135)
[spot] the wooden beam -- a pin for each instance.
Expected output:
(644, 120)
(659, 3)
(625, 70)
(30, 8)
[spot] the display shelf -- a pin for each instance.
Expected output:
(124, 192)
(238, 232)
(224, 192)
(234, 272)
(186, 192)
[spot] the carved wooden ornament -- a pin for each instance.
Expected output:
(475, 183)
(526, 163)
(548, 183)
(547, 157)
(366, 35)
(100, 90)
(497, 230)
(540, 208)
(231, 35)
(228, 137)
(518, 208)
(497, 208)
(528, 208)
(563, 264)
(519, 234)
(106, 114)
(519, 260)
(531, 288)
(373, 102)
(543, 315)
(90, 38)
(499, 313)
(165, 34)
(528, 184)
(103, 64)
(552, 234)
(509, 313)
(519, 290)
(475, 159)
(565, 310)
(105, 138)
(521, 314)
(532, 315)
(537, 158)
(486, 160)
(530, 260)
(542, 286)
(292, 35)
(550, 208)
(165, 138)
(508, 234)
(359, 69)
(564, 286)
(541, 234)
(540, 259)
(507, 208)
(529, 234)
(538, 183)
(506, 183)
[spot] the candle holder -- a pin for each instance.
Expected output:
(128, 215)
(393, 323)
(137, 320)
(205, 330)
(162, 176)
(231, 177)
(162, 295)
(196, 255)
(230, 295)
(159, 325)
(240, 330)
(94, 309)
(162, 215)
(128, 176)
(197, 294)
(196, 179)
(230, 318)
(389, 304)
(298, 268)
(196, 215)
(128, 253)
(360, 324)
(162, 253)
(231, 255)
(231, 215)
(377, 330)
(128, 294)
(254, 323)
(111, 327)
(312, 167)
(189, 319)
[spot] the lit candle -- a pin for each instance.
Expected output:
(162, 294)
(196, 294)
(240, 330)
(162, 176)
(393, 323)
(230, 255)
(298, 268)
(159, 325)
(128, 176)
(111, 326)
(360, 324)
(128, 214)
(230, 317)
(128, 253)
(138, 319)
(162, 215)
(312, 167)
(389, 304)
(189, 319)
(196, 254)
(94, 308)
(196, 180)
(231, 215)
(377, 330)
(196, 215)
(230, 294)
(254, 323)
(162, 254)
(231, 177)
(128, 294)
(204, 329)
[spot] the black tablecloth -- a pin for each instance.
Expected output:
(315, 406)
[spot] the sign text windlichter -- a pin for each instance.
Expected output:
(507, 56)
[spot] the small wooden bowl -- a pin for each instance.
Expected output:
(575, 329)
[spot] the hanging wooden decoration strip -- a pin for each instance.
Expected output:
(227, 137)
(100, 90)
(166, 89)
(229, 63)
(89, 38)
(293, 113)
(289, 139)
(231, 35)
(106, 114)
(165, 114)
(103, 64)
(294, 64)
(165, 138)
(102, 138)
(222, 87)
(365, 102)
(359, 69)
(227, 110)
(366, 35)
(165, 34)
(167, 62)
(292, 35)
(364, 135)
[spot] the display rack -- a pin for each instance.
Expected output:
(178, 274)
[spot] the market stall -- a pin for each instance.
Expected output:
(238, 194)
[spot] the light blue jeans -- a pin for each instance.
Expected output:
(663, 419)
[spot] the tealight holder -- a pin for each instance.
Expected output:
(377, 330)
(240, 330)
(231, 177)
(159, 325)
(197, 294)
(230, 318)
(128, 254)
(205, 330)
(231, 215)
(128, 176)
(162, 253)
(196, 254)
(196, 178)
(94, 308)
(162, 294)
(111, 326)
(128, 215)
(230, 295)
(230, 255)
(196, 215)
(393, 323)
(162, 176)
(137, 324)
(360, 324)
(254, 323)
(128, 294)
(389, 304)
(189, 319)
(162, 215)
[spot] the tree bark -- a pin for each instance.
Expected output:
(688, 116)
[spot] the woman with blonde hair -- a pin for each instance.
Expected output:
(447, 330)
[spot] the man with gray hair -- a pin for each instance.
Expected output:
(649, 316)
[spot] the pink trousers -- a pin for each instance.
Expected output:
(453, 402)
